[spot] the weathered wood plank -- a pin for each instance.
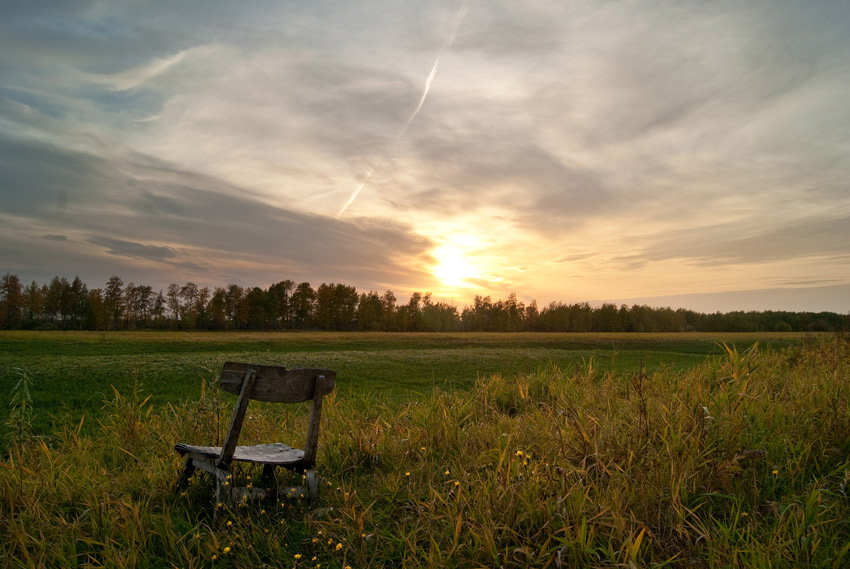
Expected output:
(272, 453)
(275, 383)
(232, 438)
(310, 447)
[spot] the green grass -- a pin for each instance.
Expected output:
(73, 372)
(739, 460)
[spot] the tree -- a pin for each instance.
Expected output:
(98, 313)
(131, 306)
(258, 314)
(145, 299)
(11, 301)
(218, 314)
(478, 317)
(439, 317)
(336, 306)
(370, 312)
(531, 315)
(113, 301)
(34, 303)
(302, 305)
(158, 311)
(172, 297)
(388, 300)
(345, 299)
(78, 302)
(189, 305)
(409, 317)
(202, 308)
(282, 293)
(606, 318)
(53, 300)
(235, 306)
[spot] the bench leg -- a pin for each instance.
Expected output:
(268, 474)
(188, 471)
(312, 482)
(223, 486)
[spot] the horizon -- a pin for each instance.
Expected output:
(738, 301)
(690, 156)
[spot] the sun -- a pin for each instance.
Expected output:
(452, 268)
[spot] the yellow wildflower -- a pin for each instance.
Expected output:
(297, 556)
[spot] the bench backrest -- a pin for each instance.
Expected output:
(275, 384)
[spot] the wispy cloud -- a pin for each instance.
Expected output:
(123, 248)
(428, 80)
(132, 78)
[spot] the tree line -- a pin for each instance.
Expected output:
(71, 305)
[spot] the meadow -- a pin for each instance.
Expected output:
(459, 450)
(73, 373)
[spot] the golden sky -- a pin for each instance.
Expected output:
(676, 153)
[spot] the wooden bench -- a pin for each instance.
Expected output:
(262, 383)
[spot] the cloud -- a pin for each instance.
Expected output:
(143, 209)
(604, 137)
(123, 248)
(792, 299)
(132, 78)
(741, 244)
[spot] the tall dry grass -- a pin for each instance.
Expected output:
(741, 462)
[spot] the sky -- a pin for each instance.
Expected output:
(675, 153)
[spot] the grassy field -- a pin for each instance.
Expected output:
(74, 372)
(439, 451)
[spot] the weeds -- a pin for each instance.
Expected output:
(20, 417)
(740, 462)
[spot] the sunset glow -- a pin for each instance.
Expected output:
(452, 268)
(633, 152)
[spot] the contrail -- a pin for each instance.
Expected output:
(446, 44)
